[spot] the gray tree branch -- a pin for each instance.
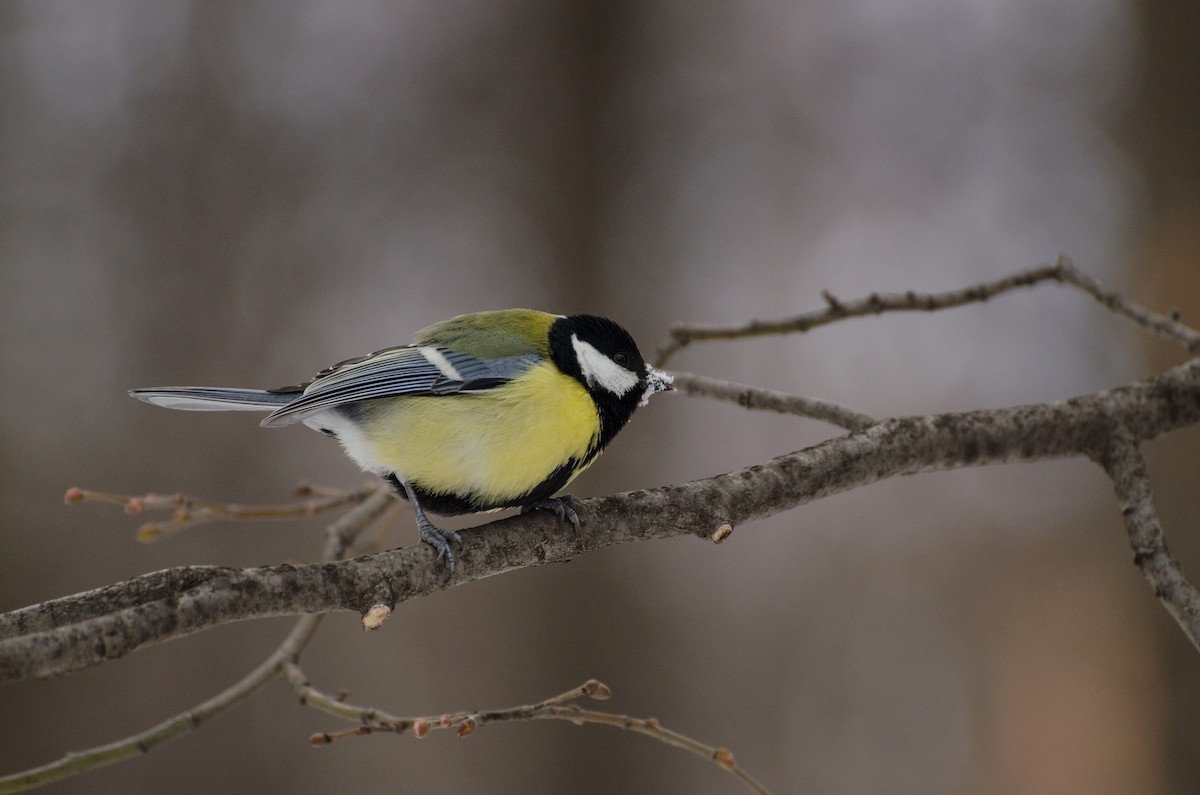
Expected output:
(757, 398)
(77, 632)
(1123, 462)
(1063, 271)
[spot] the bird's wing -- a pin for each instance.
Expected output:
(409, 370)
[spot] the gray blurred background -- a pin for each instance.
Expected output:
(239, 194)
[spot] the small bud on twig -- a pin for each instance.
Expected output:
(724, 758)
(597, 690)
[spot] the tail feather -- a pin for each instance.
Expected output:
(203, 398)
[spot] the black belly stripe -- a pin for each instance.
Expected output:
(445, 504)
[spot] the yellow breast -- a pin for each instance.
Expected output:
(494, 445)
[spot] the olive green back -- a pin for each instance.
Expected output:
(492, 335)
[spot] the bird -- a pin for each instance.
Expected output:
(483, 411)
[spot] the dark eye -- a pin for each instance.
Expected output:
(621, 359)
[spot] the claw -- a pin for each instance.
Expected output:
(431, 534)
(440, 540)
(563, 507)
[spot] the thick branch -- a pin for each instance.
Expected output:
(170, 583)
(904, 446)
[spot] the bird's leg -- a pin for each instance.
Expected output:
(563, 507)
(431, 534)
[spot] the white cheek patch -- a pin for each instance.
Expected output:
(600, 370)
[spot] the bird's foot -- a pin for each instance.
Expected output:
(563, 507)
(440, 540)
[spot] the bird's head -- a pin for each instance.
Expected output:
(603, 357)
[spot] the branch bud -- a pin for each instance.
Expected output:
(374, 618)
(721, 533)
(597, 690)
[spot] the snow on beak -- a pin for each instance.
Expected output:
(656, 381)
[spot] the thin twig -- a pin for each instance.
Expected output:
(557, 707)
(339, 537)
(753, 397)
(722, 757)
(1062, 271)
(137, 744)
(1124, 464)
(189, 511)
(310, 696)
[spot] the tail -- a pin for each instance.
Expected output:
(211, 398)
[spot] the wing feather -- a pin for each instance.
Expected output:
(404, 371)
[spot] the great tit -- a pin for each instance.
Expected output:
(483, 411)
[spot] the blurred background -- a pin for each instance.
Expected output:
(239, 194)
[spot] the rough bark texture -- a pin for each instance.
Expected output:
(72, 633)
